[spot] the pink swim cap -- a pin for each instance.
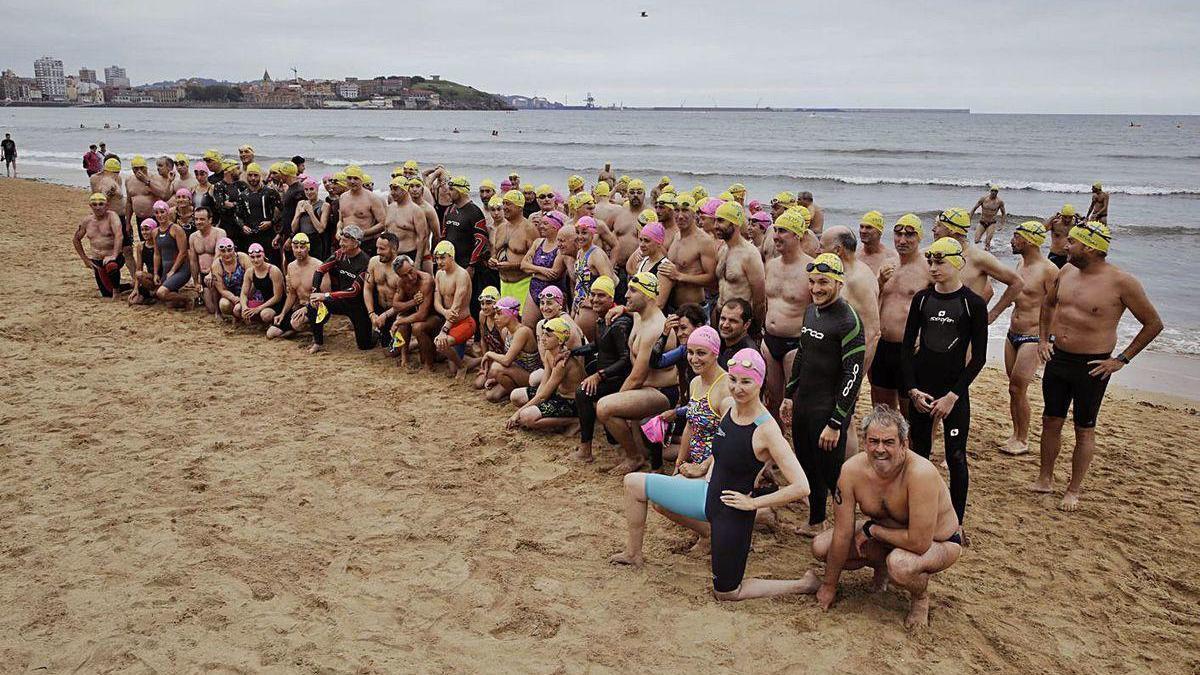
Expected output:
(655, 232)
(710, 207)
(557, 218)
(754, 206)
(255, 248)
(200, 166)
(509, 305)
(150, 223)
(505, 185)
(226, 241)
(762, 218)
(553, 292)
(557, 197)
(302, 177)
(586, 224)
(160, 204)
(326, 178)
(748, 363)
(183, 192)
(310, 184)
(706, 337)
(655, 429)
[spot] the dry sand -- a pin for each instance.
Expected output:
(163, 511)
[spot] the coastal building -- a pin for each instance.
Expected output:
(348, 90)
(88, 75)
(16, 88)
(48, 72)
(114, 76)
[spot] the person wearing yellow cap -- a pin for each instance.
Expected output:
(817, 222)
(513, 237)
(1082, 312)
(1059, 226)
(546, 199)
(360, 207)
(647, 391)
(991, 213)
(102, 229)
(691, 262)
(782, 202)
(109, 183)
(245, 156)
(738, 191)
(860, 289)
(610, 344)
(420, 196)
(293, 318)
(740, 270)
(487, 189)
(406, 220)
(946, 321)
(258, 211)
(824, 382)
(873, 253)
(550, 406)
(465, 225)
(981, 266)
(1020, 350)
(899, 282)
(141, 191)
(411, 169)
(664, 210)
(1098, 209)
(575, 184)
(452, 302)
(786, 289)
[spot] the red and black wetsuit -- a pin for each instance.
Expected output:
(466, 228)
(346, 284)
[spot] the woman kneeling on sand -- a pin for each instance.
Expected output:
(511, 369)
(228, 271)
(551, 404)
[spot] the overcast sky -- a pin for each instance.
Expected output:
(1100, 56)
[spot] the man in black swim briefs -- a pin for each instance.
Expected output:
(1081, 311)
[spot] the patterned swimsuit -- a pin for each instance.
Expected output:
(704, 421)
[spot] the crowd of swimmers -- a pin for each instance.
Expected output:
(720, 343)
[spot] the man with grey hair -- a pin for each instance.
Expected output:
(910, 531)
(817, 224)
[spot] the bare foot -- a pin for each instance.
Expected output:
(962, 534)
(1014, 447)
(582, 455)
(810, 582)
(1070, 501)
(627, 466)
(810, 530)
(918, 613)
(316, 349)
(768, 519)
(879, 582)
(1039, 485)
(623, 558)
(702, 547)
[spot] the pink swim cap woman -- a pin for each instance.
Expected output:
(505, 185)
(556, 218)
(150, 224)
(586, 224)
(748, 363)
(255, 248)
(224, 242)
(200, 166)
(309, 184)
(183, 192)
(509, 305)
(553, 292)
(762, 218)
(707, 338)
(755, 206)
(160, 204)
(710, 207)
(655, 232)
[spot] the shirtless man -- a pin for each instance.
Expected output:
(103, 231)
(245, 157)
(911, 530)
(358, 206)
(142, 191)
(1098, 209)
(691, 264)
(898, 283)
(433, 229)
(108, 183)
(664, 208)
(293, 318)
(1081, 311)
(816, 224)
(624, 226)
(1020, 350)
(873, 253)
(787, 299)
(1059, 226)
(183, 174)
(862, 285)
(202, 246)
(487, 190)
(510, 242)
(605, 210)
(452, 301)
(380, 286)
(646, 391)
(981, 265)
(991, 213)
(412, 307)
(406, 222)
(740, 270)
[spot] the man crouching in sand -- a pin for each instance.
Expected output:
(911, 531)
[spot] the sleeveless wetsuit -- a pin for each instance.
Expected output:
(734, 468)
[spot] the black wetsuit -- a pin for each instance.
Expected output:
(612, 362)
(826, 376)
(287, 211)
(734, 468)
(466, 228)
(227, 218)
(946, 325)
(254, 208)
(346, 284)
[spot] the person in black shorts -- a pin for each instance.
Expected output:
(347, 269)
(827, 373)
(1081, 311)
(9, 147)
(944, 321)
(607, 360)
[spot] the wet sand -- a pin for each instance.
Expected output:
(178, 495)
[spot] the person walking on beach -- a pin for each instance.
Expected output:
(991, 212)
(92, 161)
(1098, 209)
(1059, 226)
(1081, 311)
(9, 148)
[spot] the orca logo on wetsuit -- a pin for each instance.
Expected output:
(816, 334)
(850, 381)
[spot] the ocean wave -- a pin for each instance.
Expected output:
(1129, 156)
(372, 137)
(894, 152)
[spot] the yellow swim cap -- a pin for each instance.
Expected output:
(367, 180)
(412, 164)
(993, 187)
(667, 189)
(180, 157)
(949, 248)
(602, 189)
(444, 247)
(275, 167)
(575, 182)
(732, 211)
(487, 183)
(637, 184)
(648, 216)
(138, 162)
(685, 201)
(911, 220)
(645, 282)
(527, 187)
(299, 238)
(1067, 210)
(828, 265)
(667, 198)
(737, 189)
(495, 201)
(544, 190)
(340, 178)
(1097, 186)
(354, 171)
(112, 164)
(725, 196)
(699, 193)
(1033, 232)
(226, 165)
(97, 198)
(490, 293)
(212, 154)
(604, 284)
(872, 218)
(253, 167)
(1092, 234)
(398, 171)
(515, 197)
(461, 183)
(559, 328)
(956, 219)
(288, 168)
(786, 198)
(623, 179)
(793, 221)
(398, 181)
(585, 198)
(804, 212)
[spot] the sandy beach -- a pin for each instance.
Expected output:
(163, 512)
